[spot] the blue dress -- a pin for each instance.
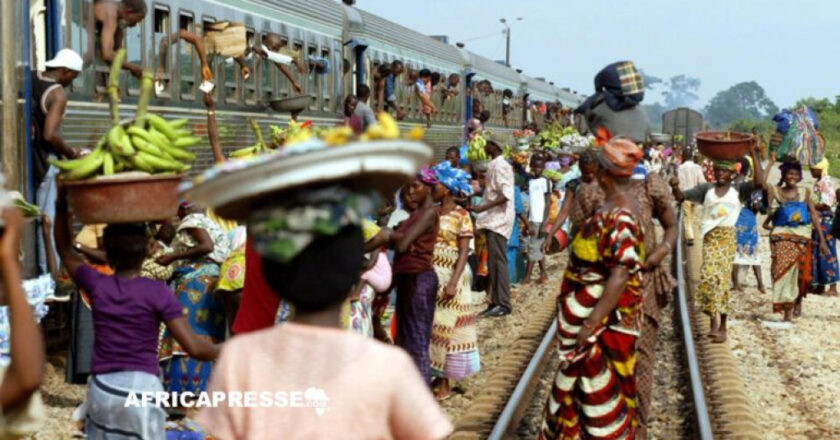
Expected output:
(746, 242)
(513, 246)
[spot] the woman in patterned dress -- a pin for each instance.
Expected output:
(793, 218)
(825, 268)
(598, 314)
(454, 345)
(200, 247)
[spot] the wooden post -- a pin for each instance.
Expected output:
(12, 163)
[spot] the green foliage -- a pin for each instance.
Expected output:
(764, 127)
(746, 100)
(682, 91)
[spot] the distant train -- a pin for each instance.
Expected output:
(344, 35)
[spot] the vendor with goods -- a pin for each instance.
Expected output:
(721, 202)
(113, 17)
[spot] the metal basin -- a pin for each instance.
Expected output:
(661, 137)
(294, 104)
(723, 145)
(129, 199)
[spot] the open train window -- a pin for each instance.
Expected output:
(186, 58)
(82, 40)
(251, 96)
(135, 47)
(313, 80)
(269, 75)
(163, 55)
(325, 76)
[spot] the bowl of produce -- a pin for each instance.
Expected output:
(293, 104)
(124, 198)
(723, 145)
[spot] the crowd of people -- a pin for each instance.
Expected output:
(200, 304)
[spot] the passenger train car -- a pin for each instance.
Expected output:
(325, 28)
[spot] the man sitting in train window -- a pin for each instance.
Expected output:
(390, 89)
(112, 18)
(273, 49)
(451, 86)
(423, 89)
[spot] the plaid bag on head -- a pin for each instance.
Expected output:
(631, 81)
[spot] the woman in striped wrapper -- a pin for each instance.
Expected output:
(599, 313)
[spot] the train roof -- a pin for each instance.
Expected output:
(391, 37)
(496, 73)
(327, 15)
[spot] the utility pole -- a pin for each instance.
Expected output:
(507, 36)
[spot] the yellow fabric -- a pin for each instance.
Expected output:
(369, 230)
(226, 225)
(822, 165)
(89, 235)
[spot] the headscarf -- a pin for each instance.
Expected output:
(619, 157)
(427, 176)
(457, 181)
(565, 161)
(821, 165)
(282, 231)
(639, 173)
(724, 165)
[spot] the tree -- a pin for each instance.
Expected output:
(682, 91)
(651, 82)
(746, 100)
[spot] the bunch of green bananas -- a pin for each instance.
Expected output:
(149, 143)
(552, 175)
(475, 150)
(27, 209)
(258, 148)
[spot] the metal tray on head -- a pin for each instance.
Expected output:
(294, 104)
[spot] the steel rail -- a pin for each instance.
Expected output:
(704, 425)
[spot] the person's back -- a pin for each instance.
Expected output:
(690, 175)
(322, 383)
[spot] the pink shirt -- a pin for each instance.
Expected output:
(498, 184)
(368, 390)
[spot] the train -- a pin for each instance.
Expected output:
(354, 41)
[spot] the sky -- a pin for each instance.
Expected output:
(791, 48)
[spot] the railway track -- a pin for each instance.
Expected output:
(717, 406)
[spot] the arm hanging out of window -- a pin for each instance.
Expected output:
(196, 41)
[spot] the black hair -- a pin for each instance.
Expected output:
(346, 66)
(588, 158)
(453, 149)
(424, 73)
(363, 92)
(538, 158)
(494, 144)
(125, 245)
(135, 6)
(508, 93)
(384, 69)
(436, 76)
(484, 116)
(166, 232)
(302, 283)
(396, 63)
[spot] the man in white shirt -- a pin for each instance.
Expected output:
(539, 193)
(690, 175)
(363, 110)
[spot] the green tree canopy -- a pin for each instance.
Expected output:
(682, 91)
(746, 100)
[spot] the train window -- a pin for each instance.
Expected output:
(251, 82)
(325, 71)
(81, 23)
(186, 58)
(134, 45)
(313, 80)
(269, 78)
(163, 58)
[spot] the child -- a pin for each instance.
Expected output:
(539, 193)
(423, 88)
(127, 312)
(365, 389)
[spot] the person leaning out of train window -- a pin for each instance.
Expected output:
(423, 89)
(114, 17)
(47, 116)
(272, 49)
(363, 110)
(379, 76)
(451, 89)
(390, 89)
(189, 37)
(507, 104)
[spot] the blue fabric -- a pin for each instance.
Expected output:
(746, 229)
(792, 214)
(519, 209)
(456, 180)
(319, 69)
(825, 270)
(463, 155)
(45, 199)
(390, 88)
